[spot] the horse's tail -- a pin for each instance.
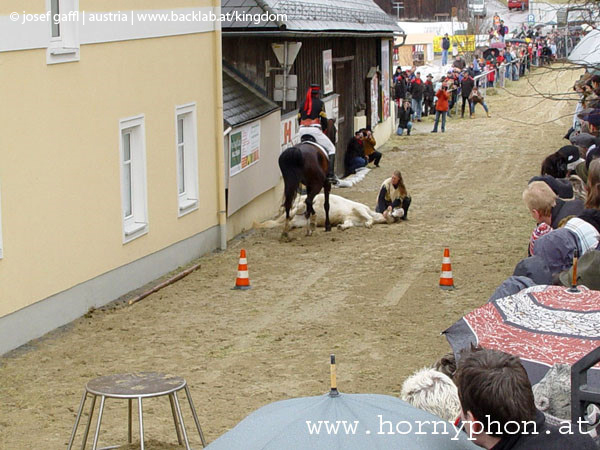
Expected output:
(291, 163)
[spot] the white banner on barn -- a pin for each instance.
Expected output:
(327, 72)
(244, 148)
(374, 101)
(385, 79)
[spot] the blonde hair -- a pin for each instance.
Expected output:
(401, 187)
(539, 196)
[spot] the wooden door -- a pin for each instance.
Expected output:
(344, 86)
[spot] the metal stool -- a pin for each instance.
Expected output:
(132, 386)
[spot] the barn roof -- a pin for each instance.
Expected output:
(242, 102)
(331, 16)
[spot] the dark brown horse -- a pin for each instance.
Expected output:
(304, 163)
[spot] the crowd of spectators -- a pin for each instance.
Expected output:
(564, 201)
(416, 98)
(505, 59)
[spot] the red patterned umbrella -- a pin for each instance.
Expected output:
(543, 325)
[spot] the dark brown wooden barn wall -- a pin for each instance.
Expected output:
(422, 9)
(248, 55)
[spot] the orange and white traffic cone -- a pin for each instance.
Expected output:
(446, 280)
(242, 281)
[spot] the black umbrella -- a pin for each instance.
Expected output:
(491, 53)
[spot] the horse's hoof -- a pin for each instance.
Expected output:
(284, 237)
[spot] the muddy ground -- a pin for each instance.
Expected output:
(369, 296)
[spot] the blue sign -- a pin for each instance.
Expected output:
(531, 19)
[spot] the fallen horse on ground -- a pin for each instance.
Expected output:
(342, 212)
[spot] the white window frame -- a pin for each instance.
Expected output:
(64, 47)
(136, 224)
(188, 200)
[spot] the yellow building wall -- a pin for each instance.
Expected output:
(60, 164)
(267, 204)
(263, 207)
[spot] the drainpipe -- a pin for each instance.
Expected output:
(219, 133)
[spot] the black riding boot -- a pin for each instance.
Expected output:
(405, 204)
(331, 173)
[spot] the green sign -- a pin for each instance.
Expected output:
(235, 146)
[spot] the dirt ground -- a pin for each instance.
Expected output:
(369, 296)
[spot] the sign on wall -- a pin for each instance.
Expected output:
(327, 72)
(385, 79)
(244, 148)
(289, 130)
(465, 43)
(374, 101)
(332, 106)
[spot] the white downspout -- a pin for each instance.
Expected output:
(219, 132)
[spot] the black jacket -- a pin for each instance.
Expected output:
(545, 438)
(466, 86)
(317, 112)
(416, 90)
(565, 208)
(459, 64)
(404, 116)
(400, 88)
(428, 93)
(445, 43)
(355, 149)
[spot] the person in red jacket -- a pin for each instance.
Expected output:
(441, 107)
(491, 76)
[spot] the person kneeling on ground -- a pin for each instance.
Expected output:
(369, 144)
(498, 407)
(476, 97)
(405, 114)
(392, 198)
(355, 154)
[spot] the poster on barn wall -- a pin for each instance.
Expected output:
(327, 72)
(290, 134)
(374, 101)
(244, 148)
(385, 79)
